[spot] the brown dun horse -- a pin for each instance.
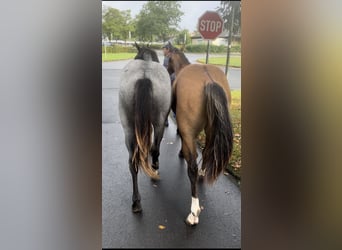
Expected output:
(201, 100)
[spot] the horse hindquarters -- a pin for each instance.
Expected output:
(219, 132)
(218, 148)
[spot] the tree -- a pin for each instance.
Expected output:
(226, 11)
(183, 37)
(128, 25)
(116, 24)
(158, 19)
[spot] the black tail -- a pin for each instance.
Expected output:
(219, 132)
(143, 126)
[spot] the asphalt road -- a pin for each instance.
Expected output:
(165, 203)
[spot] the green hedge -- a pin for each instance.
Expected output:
(127, 49)
(236, 48)
(191, 48)
(119, 49)
(202, 48)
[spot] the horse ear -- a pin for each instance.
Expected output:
(137, 46)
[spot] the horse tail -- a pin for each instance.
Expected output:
(219, 132)
(143, 126)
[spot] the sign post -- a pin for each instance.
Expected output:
(210, 26)
(206, 58)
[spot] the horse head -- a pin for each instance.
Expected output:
(177, 61)
(145, 53)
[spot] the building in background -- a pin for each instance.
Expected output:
(222, 39)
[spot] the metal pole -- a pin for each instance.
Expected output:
(206, 59)
(229, 40)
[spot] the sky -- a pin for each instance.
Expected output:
(192, 10)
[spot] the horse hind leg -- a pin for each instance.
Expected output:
(195, 210)
(155, 150)
(136, 205)
(190, 154)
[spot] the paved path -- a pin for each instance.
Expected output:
(165, 203)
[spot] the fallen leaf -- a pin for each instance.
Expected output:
(161, 227)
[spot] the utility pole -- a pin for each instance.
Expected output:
(230, 39)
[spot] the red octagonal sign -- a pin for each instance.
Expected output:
(210, 25)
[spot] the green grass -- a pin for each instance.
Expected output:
(234, 167)
(234, 61)
(117, 56)
(235, 115)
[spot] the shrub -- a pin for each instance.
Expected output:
(119, 49)
(202, 48)
(236, 48)
(196, 48)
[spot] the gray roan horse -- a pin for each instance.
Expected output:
(144, 104)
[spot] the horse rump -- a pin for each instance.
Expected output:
(219, 132)
(143, 126)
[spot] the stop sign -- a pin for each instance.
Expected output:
(210, 25)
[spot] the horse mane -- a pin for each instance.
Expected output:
(182, 56)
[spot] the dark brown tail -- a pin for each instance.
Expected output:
(143, 126)
(219, 132)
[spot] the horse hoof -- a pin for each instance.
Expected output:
(136, 207)
(192, 220)
(189, 224)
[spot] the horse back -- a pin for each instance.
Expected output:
(190, 94)
(192, 79)
(139, 69)
(136, 70)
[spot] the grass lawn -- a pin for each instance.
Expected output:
(234, 61)
(117, 56)
(234, 167)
